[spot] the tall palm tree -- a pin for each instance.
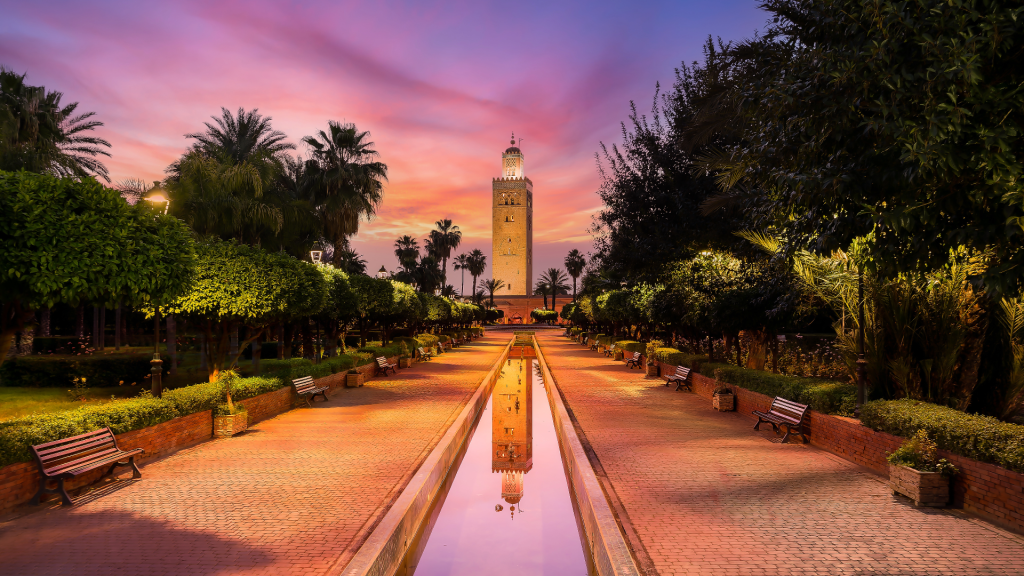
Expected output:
(461, 262)
(492, 286)
(38, 134)
(555, 280)
(574, 264)
(407, 250)
(445, 238)
(477, 265)
(428, 274)
(542, 287)
(238, 138)
(349, 261)
(345, 179)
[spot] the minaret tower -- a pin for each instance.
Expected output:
(512, 226)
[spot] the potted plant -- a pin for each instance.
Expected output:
(649, 358)
(916, 472)
(619, 354)
(229, 418)
(722, 399)
(353, 379)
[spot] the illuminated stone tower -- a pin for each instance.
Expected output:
(512, 226)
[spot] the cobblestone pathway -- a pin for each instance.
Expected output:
(294, 495)
(708, 495)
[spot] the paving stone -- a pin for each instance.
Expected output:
(293, 495)
(709, 496)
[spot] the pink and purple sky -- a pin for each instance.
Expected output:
(439, 85)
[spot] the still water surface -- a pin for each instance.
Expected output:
(508, 510)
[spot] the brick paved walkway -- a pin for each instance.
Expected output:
(708, 495)
(294, 495)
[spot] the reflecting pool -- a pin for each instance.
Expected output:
(507, 508)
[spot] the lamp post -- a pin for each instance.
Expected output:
(157, 365)
(315, 256)
(862, 363)
(437, 292)
(159, 197)
(383, 274)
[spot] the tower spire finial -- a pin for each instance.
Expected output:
(513, 142)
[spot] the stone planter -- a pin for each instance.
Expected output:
(724, 402)
(404, 362)
(618, 354)
(924, 488)
(601, 348)
(353, 380)
(228, 426)
(652, 369)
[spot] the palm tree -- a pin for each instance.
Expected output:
(555, 280)
(345, 179)
(428, 274)
(477, 265)
(443, 239)
(407, 250)
(349, 261)
(542, 287)
(574, 264)
(492, 286)
(39, 135)
(461, 262)
(241, 137)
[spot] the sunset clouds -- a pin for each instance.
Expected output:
(440, 86)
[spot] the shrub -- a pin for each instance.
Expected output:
(981, 438)
(919, 453)
(54, 372)
(426, 340)
(606, 339)
(17, 434)
(410, 343)
(61, 344)
(825, 396)
(630, 346)
(676, 358)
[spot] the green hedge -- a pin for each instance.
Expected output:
(826, 396)
(678, 358)
(57, 372)
(427, 340)
(17, 434)
(981, 438)
(606, 339)
(631, 346)
(290, 369)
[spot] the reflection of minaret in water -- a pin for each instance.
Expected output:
(512, 432)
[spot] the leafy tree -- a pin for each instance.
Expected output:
(71, 241)
(374, 299)
(39, 134)
(899, 120)
(237, 285)
(574, 263)
(345, 179)
(340, 307)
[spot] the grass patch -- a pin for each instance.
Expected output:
(16, 402)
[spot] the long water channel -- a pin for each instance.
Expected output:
(506, 509)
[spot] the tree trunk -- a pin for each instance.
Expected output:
(775, 353)
(307, 341)
(103, 327)
(203, 351)
(44, 323)
(233, 349)
(257, 352)
(280, 341)
(289, 336)
(117, 326)
(739, 351)
(80, 322)
(172, 344)
(757, 349)
(95, 339)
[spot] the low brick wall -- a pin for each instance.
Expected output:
(987, 490)
(19, 482)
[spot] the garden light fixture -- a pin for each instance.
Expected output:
(383, 274)
(159, 197)
(315, 256)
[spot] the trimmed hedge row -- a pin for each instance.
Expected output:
(56, 372)
(631, 346)
(17, 434)
(678, 358)
(981, 438)
(825, 396)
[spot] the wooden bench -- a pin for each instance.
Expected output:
(424, 354)
(308, 390)
(610, 351)
(634, 361)
(383, 366)
(594, 345)
(681, 378)
(64, 459)
(784, 413)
